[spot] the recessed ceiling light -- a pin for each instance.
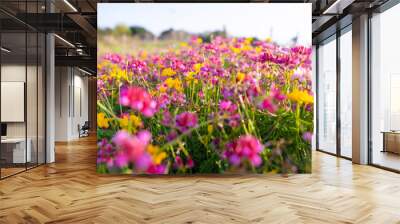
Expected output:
(70, 5)
(86, 72)
(5, 50)
(64, 40)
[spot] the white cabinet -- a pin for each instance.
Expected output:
(18, 149)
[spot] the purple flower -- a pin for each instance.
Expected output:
(307, 136)
(166, 120)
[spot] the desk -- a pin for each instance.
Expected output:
(16, 147)
(391, 141)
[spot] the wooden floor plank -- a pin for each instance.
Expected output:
(70, 191)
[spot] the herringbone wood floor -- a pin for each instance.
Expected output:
(70, 191)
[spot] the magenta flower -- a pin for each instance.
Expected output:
(189, 163)
(186, 120)
(156, 169)
(225, 105)
(268, 105)
(138, 99)
(178, 162)
(277, 94)
(247, 147)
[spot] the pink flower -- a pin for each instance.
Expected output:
(247, 147)
(186, 120)
(267, 104)
(114, 58)
(225, 105)
(133, 148)
(138, 99)
(121, 160)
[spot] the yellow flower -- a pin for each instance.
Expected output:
(246, 48)
(183, 44)
(197, 67)
(168, 72)
(301, 97)
(102, 121)
(189, 77)
(240, 77)
(258, 49)
(248, 40)
(210, 129)
(126, 120)
(174, 83)
(268, 40)
(199, 40)
(157, 155)
(159, 158)
(143, 54)
(152, 149)
(163, 89)
(236, 50)
(136, 121)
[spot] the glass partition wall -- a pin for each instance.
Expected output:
(334, 93)
(385, 90)
(22, 91)
(327, 96)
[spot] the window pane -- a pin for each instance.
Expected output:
(327, 97)
(346, 94)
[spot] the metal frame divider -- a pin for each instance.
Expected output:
(338, 75)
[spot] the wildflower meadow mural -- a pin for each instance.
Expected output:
(190, 96)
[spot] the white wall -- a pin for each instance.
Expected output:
(71, 94)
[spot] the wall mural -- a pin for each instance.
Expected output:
(186, 101)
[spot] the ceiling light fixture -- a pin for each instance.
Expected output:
(337, 7)
(5, 50)
(64, 40)
(70, 5)
(329, 9)
(84, 71)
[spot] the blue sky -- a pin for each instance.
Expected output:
(281, 21)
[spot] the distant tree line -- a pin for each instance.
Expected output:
(144, 34)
